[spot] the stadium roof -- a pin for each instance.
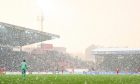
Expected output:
(116, 51)
(12, 35)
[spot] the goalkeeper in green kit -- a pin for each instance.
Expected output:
(23, 68)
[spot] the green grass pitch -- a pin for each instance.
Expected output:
(70, 79)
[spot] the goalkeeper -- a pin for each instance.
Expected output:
(23, 68)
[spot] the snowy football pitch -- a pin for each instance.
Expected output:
(70, 79)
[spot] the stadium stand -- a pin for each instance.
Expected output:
(15, 36)
(109, 59)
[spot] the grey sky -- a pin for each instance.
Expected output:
(80, 23)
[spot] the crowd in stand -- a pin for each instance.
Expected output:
(10, 60)
(53, 60)
(56, 61)
(41, 62)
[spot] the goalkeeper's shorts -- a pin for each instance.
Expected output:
(23, 71)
